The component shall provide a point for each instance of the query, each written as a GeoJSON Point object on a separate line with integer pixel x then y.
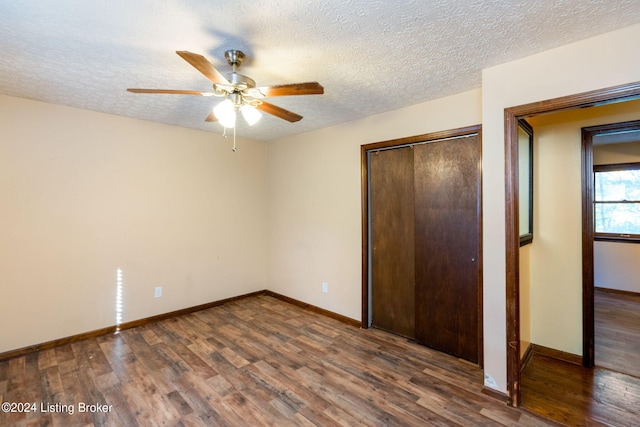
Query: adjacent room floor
{"type": "Point", "coordinates": [617, 334]}
{"type": "Point", "coordinates": [609, 394]}
{"type": "Point", "coordinates": [256, 361]}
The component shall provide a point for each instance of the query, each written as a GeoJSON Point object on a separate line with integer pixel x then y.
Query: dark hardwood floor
{"type": "Point", "coordinates": [252, 362]}
{"type": "Point", "coordinates": [617, 336]}
{"type": "Point", "coordinates": [606, 395]}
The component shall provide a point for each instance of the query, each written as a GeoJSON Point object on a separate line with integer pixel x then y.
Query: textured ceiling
{"type": "Point", "coordinates": [371, 56]}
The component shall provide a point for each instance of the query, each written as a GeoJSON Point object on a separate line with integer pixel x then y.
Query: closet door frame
{"type": "Point", "coordinates": [365, 151]}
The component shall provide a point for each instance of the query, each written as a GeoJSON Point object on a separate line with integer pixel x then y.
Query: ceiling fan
{"type": "Point", "coordinates": [240, 92]}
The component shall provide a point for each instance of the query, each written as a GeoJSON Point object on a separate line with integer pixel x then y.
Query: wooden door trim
{"type": "Point", "coordinates": [588, 303]}
{"type": "Point", "coordinates": [364, 177]}
{"type": "Point", "coordinates": [512, 238]}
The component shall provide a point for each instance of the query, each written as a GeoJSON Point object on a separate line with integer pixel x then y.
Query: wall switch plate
{"type": "Point", "coordinates": [325, 287]}
{"type": "Point", "coordinates": [157, 293]}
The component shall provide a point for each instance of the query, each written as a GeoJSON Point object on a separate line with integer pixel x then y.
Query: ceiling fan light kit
{"type": "Point", "coordinates": [240, 92]}
{"type": "Point", "coordinates": [225, 112]}
{"type": "Point", "coordinates": [250, 114]}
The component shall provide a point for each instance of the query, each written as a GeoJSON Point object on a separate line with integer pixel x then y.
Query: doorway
{"type": "Point", "coordinates": [421, 249]}
{"type": "Point", "coordinates": [553, 278]}
{"type": "Point", "coordinates": [613, 188]}
{"type": "Point", "coordinates": [609, 95]}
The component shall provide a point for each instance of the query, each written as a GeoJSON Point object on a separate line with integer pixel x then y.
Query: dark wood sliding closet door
{"type": "Point", "coordinates": [392, 245]}
{"type": "Point", "coordinates": [424, 207]}
{"type": "Point", "coordinates": [447, 249]}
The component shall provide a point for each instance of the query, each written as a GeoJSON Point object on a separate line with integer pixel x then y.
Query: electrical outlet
{"type": "Point", "coordinates": [325, 287]}
{"type": "Point", "coordinates": [157, 293]}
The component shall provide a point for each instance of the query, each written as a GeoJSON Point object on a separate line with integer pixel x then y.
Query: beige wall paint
{"type": "Point", "coordinates": [315, 191]}
{"type": "Point", "coordinates": [595, 63]}
{"type": "Point", "coordinates": [525, 298]}
{"type": "Point", "coordinates": [85, 193]}
{"type": "Point", "coordinates": [556, 252]}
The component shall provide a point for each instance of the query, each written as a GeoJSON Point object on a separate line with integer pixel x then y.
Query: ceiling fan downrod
{"type": "Point", "coordinates": [234, 58]}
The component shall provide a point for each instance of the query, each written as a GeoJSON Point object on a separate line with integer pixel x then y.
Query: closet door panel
{"type": "Point", "coordinates": [447, 233]}
{"type": "Point", "coordinates": [392, 241]}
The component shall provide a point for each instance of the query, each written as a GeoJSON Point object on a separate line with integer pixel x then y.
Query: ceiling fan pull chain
{"type": "Point", "coordinates": [234, 140]}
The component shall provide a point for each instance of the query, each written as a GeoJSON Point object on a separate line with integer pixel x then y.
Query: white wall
{"type": "Point", "coordinates": [85, 193]}
{"type": "Point", "coordinates": [616, 266]}
{"type": "Point", "coordinates": [607, 60]}
{"type": "Point", "coordinates": [315, 199]}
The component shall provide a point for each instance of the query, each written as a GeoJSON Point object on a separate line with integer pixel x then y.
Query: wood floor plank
{"type": "Point", "coordinates": [617, 331]}
{"type": "Point", "coordinates": [285, 378]}
{"type": "Point", "coordinates": [47, 358]}
{"type": "Point", "coordinates": [122, 412]}
{"type": "Point", "coordinates": [258, 361]}
{"type": "Point", "coordinates": [204, 400]}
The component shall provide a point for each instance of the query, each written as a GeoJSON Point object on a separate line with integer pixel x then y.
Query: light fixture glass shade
{"type": "Point", "coordinates": [250, 114]}
{"type": "Point", "coordinates": [226, 113]}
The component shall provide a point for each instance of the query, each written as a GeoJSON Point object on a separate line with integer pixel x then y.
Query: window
{"type": "Point", "coordinates": [617, 202]}
{"type": "Point", "coordinates": [525, 180]}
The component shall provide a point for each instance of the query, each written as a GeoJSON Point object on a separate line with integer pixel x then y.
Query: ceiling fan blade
{"type": "Point", "coordinates": [308, 88]}
{"type": "Point", "coordinates": [211, 118]}
{"type": "Point", "coordinates": [279, 112]}
{"type": "Point", "coordinates": [171, 91]}
{"type": "Point", "coordinates": [204, 66]}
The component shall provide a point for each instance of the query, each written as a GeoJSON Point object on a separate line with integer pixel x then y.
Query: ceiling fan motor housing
{"type": "Point", "coordinates": [240, 82]}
